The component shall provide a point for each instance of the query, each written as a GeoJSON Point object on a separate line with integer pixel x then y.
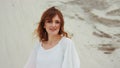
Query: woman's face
{"type": "Point", "coordinates": [53, 26]}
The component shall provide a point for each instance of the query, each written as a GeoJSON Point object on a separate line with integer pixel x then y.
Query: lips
{"type": "Point", "coordinates": [52, 29]}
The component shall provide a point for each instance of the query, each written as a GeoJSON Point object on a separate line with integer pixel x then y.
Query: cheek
{"type": "Point", "coordinates": [45, 26]}
{"type": "Point", "coordinates": [58, 25]}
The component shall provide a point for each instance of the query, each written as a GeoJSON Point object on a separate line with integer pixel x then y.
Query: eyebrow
{"type": "Point", "coordinates": [57, 20]}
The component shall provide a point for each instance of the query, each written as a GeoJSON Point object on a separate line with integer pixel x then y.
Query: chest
{"type": "Point", "coordinates": [50, 57]}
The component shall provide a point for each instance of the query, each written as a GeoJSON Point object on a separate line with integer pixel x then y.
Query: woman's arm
{"type": "Point", "coordinates": [71, 58]}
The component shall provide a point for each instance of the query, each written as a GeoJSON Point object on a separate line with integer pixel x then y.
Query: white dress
{"type": "Point", "coordinates": [62, 55]}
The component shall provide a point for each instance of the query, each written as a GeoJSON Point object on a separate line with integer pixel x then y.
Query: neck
{"type": "Point", "coordinates": [52, 39]}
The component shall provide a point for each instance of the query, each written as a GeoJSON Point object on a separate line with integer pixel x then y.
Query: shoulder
{"type": "Point", "coordinates": [67, 39]}
{"type": "Point", "coordinates": [36, 44]}
{"type": "Point", "coordinates": [67, 42]}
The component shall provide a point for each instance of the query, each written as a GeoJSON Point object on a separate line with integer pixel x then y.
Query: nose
{"type": "Point", "coordinates": [53, 24]}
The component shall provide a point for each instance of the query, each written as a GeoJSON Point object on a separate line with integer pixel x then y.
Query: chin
{"type": "Point", "coordinates": [53, 33]}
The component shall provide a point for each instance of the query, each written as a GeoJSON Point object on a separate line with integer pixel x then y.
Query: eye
{"type": "Point", "coordinates": [48, 21]}
{"type": "Point", "coordinates": [57, 22]}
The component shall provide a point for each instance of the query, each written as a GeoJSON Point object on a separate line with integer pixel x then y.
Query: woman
{"type": "Point", "coordinates": [54, 49]}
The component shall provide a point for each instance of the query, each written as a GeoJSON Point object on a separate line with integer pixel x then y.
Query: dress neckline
{"type": "Point", "coordinates": [50, 49]}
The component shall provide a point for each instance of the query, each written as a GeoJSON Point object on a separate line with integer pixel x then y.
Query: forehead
{"type": "Point", "coordinates": [55, 17]}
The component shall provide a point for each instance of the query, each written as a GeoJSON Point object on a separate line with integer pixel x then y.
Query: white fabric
{"type": "Point", "coordinates": [63, 55]}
